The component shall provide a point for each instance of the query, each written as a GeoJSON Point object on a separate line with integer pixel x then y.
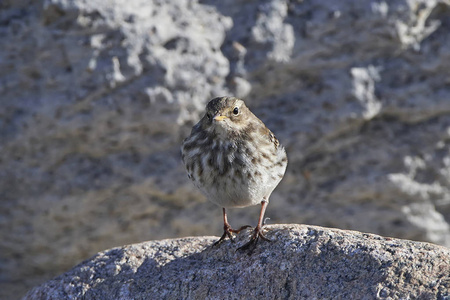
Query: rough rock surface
{"type": "Point", "coordinates": [96, 97]}
{"type": "Point", "coordinates": [303, 262]}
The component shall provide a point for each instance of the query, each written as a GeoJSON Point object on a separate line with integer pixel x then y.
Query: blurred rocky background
{"type": "Point", "coordinates": [97, 96]}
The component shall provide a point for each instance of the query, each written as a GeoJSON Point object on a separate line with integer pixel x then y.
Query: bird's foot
{"type": "Point", "coordinates": [250, 245]}
{"type": "Point", "coordinates": [228, 232]}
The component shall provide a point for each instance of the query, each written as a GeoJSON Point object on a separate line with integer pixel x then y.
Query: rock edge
{"type": "Point", "coordinates": [302, 262]}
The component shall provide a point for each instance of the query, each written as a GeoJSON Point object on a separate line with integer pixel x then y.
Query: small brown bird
{"type": "Point", "coordinates": [235, 160]}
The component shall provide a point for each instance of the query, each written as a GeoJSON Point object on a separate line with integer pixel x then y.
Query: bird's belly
{"type": "Point", "coordinates": [236, 175]}
{"type": "Point", "coordinates": [249, 186]}
{"type": "Point", "coordinates": [233, 193]}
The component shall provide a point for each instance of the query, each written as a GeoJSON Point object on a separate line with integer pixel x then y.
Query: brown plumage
{"type": "Point", "coordinates": [234, 159]}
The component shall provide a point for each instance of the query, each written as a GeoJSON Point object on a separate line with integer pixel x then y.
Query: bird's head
{"type": "Point", "coordinates": [226, 116]}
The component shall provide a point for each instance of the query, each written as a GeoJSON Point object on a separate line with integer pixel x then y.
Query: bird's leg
{"type": "Point", "coordinates": [257, 232]}
{"type": "Point", "coordinates": [227, 230]}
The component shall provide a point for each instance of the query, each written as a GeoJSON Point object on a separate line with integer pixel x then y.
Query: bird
{"type": "Point", "coordinates": [235, 161]}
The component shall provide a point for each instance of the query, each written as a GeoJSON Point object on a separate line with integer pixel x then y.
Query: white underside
{"type": "Point", "coordinates": [233, 191]}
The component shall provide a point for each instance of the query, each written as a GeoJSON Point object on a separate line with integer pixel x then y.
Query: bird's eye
{"type": "Point", "coordinates": [208, 116]}
{"type": "Point", "coordinates": [236, 111]}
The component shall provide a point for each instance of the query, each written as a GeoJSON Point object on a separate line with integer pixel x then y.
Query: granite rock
{"type": "Point", "coordinates": [302, 262]}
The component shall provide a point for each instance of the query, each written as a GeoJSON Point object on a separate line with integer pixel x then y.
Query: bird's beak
{"type": "Point", "coordinates": [219, 118]}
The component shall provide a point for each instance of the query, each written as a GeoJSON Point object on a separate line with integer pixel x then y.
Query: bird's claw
{"type": "Point", "coordinates": [228, 232]}
{"type": "Point", "coordinates": [250, 245]}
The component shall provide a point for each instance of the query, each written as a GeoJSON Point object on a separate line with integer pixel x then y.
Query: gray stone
{"type": "Point", "coordinates": [97, 96]}
{"type": "Point", "coordinates": [302, 262]}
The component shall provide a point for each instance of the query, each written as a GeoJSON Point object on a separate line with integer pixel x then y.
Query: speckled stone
{"type": "Point", "coordinates": [302, 262]}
